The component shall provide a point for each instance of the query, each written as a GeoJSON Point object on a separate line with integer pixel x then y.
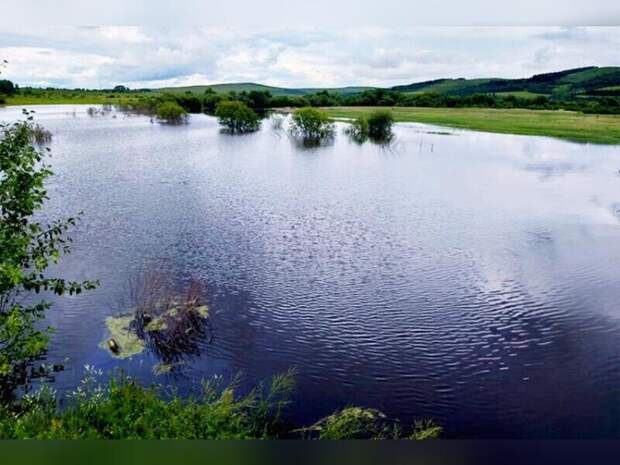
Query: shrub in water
{"type": "Point", "coordinates": [171, 113]}
{"type": "Point", "coordinates": [236, 116]}
{"type": "Point", "coordinates": [311, 124]}
{"type": "Point", "coordinates": [40, 135]}
{"type": "Point", "coordinates": [358, 130]}
{"type": "Point", "coordinates": [380, 124]}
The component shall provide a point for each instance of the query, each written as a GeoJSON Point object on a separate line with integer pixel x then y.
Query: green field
{"type": "Point", "coordinates": [600, 129]}
{"type": "Point", "coordinates": [524, 94]}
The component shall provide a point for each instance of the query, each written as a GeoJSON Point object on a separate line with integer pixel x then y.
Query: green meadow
{"type": "Point", "coordinates": [574, 126]}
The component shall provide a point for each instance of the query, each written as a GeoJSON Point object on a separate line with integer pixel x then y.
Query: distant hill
{"type": "Point", "coordinates": [569, 83]}
{"type": "Point", "coordinates": [249, 86]}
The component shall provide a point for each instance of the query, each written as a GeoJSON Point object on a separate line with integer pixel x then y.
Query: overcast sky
{"type": "Point", "coordinates": [299, 43]}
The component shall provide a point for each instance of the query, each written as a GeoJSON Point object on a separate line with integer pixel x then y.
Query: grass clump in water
{"type": "Point", "coordinates": [366, 423]}
{"type": "Point", "coordinates": [40, 135]}
{"type": "Point", "coordinates": [172, 322]}
{"type": "Point", "coordinates": [358, 129]}
{"type": "Point", "coordinates": [163, 368]}
{"type": "Point", "coordinates": [425, 429]}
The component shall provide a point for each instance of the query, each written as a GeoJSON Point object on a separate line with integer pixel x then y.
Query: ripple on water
{"type": "Point", "coordinates": [476, 283]}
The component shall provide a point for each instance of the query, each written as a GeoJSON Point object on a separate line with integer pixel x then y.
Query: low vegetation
{"type": "Point", "coordinates": [236, 116]}
{"type": "Point", "coordinates": [365, 423]}
{"type": "Point", "coordinates": [311, 125]}
{"type": "Point", "coordinates": [124, 409]}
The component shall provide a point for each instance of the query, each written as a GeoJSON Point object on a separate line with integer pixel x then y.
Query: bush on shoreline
{"type": "Point", "coordinates": [124, 409]}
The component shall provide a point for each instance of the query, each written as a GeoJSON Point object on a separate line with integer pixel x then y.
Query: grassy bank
{"type": "Point", "coordinates": [600, 129]}
{"type": "Point", "coordinates": [124, 409]}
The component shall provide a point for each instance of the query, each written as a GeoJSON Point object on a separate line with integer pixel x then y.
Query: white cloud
{"type": "Point", "coordinates": [123, 34]}
{"type": "Point", "coordinates": [33, 14]}
{"type": "Point", "coordinates": [311, 57]}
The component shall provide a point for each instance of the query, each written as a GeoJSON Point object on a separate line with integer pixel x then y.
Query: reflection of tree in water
{"type": "Point", "coordinates": [171, 321]}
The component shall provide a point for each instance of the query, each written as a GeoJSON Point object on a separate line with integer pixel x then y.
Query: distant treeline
{"type": "Point", "coordinates": [602, 102]}
{"type": "Point", "coordinates": [261, 100]}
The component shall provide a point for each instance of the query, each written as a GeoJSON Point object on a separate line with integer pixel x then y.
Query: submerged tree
{"type": "Point", "coordinates": [27, 248]}
{"type": "Point", "coordinates": [236, 116]}
{"type": "Point", "coordinates": [380, 124]}
{"type": "Point", "coordinates": [311, 125]}
{"type": "Point", "coordinates": [171, 113]}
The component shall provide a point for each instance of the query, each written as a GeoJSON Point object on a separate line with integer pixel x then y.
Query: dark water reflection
{"type": "Point", "coordinates": [468, 277]}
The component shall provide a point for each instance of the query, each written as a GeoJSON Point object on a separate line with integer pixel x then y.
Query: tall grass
{"type": "Point", "coordinates": [124, 409]}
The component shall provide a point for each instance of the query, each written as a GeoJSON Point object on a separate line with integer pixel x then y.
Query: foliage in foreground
{"type": "Point", "coordinates": [124, 409]}
{"type": "Point", "coordinates": [236, 116]}
{"type": "Point", "coordinates": [27, 248]}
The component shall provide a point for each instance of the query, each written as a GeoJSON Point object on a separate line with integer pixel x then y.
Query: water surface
{"type": "Point", "coordinates": [468, 277]}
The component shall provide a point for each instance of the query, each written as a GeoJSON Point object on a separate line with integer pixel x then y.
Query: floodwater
{"type": "Point", "coordinates": [472, 278]}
